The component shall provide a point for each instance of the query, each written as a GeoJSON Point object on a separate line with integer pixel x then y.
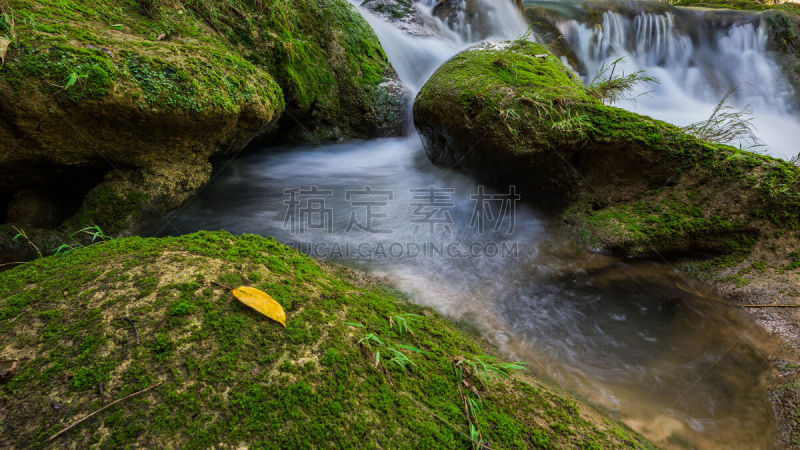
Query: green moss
{"type": "Point", "coordinates": [210, 55]}
{"type": "Point", "coordinates": [795, 261]}
{"type": "Point", "coordinates": [645, 225]}
{"type": "Point", "coordinates": [81, 39]}
{"type": "Point", "coordinates": [752, 5]}
{"type": "Point", "coordinates": [232, 377]}
{"type": "Point", "coordinates": [110, 209]}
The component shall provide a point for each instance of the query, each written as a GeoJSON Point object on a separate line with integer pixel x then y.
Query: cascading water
{"type": "Point", "coordinates": [637, 339]}
{"type": "Point", "coordinates": [415, 58]}
{"type": "Point", "coordinates": [695, 65]}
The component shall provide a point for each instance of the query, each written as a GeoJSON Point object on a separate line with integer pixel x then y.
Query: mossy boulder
{"type": "Point", "coordinates": [513, 114]}
{"type": "Point", "coordinates": [105, 321]}
{"type": "Point", "coordinates": [130, 100]}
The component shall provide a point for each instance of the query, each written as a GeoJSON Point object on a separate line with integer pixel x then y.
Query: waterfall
{"type": "Point", "coordinates": [695, 65]}
{"type": "Point", "coordinates": [415, 58]}
{"type": "Point", "coordinates": [476, 20]}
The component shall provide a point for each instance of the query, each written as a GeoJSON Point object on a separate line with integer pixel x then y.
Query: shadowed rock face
{"type": "Point", "coordinates": [513, 114]}
{"type": "Point", "coordinates": [118, 124]}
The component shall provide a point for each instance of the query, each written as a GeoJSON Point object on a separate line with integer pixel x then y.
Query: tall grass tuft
{"type": "Point", "coordinates": [609, 88]}
{"type": "Point", "coordinates": [726, 125]}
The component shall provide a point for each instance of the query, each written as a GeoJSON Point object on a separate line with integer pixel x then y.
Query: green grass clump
{"type": "Point", "coordinates": [128, 313]}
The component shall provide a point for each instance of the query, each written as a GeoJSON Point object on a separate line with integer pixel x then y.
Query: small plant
{"type": "Point", "coordinates": [371, 337]}
{"type": "Point", "coordinates": [610, 88]}
{"type": "Point", "coordinates": [400, 358]}
{"type": "Point", "coordinates": [97, 235]}
{"type": "Point", "coordinates": [400, 322]}
{"type": "Point", "coordinates": [22, 235]}
{"type": "Point", "coordinates": [569, 123]}
{"type": "Point", "coordinates": [486, 367]}
{"type": "Point", "coordinates": [480, 368]}
{"type": "Point", "coordinates": [70, 80]}
{"type": "Point", "coordinates": [726, 125]}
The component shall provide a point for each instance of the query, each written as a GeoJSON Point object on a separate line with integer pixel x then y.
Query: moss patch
{"type": "Point", "coordinates": [200, 55]}
{"type": "Point", "coordinates": [231, 376]}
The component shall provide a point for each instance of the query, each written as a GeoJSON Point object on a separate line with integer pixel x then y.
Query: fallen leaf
{"type": "Point", "coordinates": [3, 48]}
{"type": "Point", "coordinates": [261, 302]}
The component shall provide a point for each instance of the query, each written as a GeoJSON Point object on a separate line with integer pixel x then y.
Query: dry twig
{"type": "Point", "coordinates": [80, 421]}
{"type": "Point", "coordinates": [135, 332]}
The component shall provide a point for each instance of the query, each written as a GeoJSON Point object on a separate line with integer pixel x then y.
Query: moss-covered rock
{"type": "Point", "coordinates": [129, 313]}
{"type": "Point", "coordinates": [138, 95]}
{"type": "Point", "coordinates": [513, 114]}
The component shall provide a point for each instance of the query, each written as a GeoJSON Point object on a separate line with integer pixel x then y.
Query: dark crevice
{"type": "Point", "coordinates": [55, 197]}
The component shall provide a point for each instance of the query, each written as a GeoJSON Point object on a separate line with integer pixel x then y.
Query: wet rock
{"type": "Point", "coordinates": [784, 39]}
{"type": "Point", "coordinates": [627, 183]}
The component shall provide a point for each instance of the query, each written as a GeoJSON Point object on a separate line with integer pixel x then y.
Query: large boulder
{"type": "Point", "coordinates": [513, 114]}
{"type": "Point", "coordinates": [104, 322]}
{"type": "Point", "coordinates": [126, 102]}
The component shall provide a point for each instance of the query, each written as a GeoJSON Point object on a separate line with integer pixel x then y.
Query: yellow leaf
{"type": "Point", "coordinates": [261, 302]}
{"type": "Point", "coordinates": [3, 48]}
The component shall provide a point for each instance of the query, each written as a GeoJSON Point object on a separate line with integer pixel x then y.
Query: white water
{"type": "Point", "coordinates": [694, 74]}
{"type": "Point", "coordinates": [415, 58]}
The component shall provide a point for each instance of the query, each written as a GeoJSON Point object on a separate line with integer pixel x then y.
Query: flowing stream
{"type": "Point", "coordinates": [663, 353]}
